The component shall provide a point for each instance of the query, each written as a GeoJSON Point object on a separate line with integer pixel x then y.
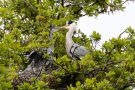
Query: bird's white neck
{"type": "Point", "coordinates": [69, 41]}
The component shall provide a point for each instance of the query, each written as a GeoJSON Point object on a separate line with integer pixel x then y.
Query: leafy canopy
{"type": "Point", "coordinates": [25, 26]}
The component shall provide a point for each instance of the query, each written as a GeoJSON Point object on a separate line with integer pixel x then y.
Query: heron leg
{"type": "Point", "coordinates": [78, 66]}
{"type": "Point", "coordinates": [71, 65]}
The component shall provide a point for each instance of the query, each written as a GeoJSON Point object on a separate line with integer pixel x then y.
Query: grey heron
{"type": "Point", "coordinates": [74, 50]}
{"type": "Point", "coordinates": [36, 57]}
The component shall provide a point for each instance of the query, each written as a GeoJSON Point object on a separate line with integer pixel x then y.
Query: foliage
{"type": "Point", "coordinates": [25, 26]}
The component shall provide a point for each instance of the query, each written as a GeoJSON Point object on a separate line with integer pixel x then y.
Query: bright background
{"type": "Point", "coordinates": [109, 25]}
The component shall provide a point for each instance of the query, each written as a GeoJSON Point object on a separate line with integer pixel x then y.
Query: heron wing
{"type": "Point", "coordinates": [81, 51]}
{"type": "Point", "coordinates": [78, 51]}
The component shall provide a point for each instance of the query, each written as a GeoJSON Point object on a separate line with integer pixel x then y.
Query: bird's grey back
{"type": "Point", "coordinates": [79, 51]}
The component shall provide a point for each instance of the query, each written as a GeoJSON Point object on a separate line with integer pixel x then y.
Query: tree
{"type": "Point", "coordinates": [26, 27]}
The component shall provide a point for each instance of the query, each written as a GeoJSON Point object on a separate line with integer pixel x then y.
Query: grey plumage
{"type": "Point", "coordinates": [77, 51]}
{"type": "Point", "coordinates": [74, 50]}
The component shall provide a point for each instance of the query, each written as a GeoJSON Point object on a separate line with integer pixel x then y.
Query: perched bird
{"type": "Point", "coordinates": [37, 56]}
{"type": "Point", "coordinates": [74, 50]}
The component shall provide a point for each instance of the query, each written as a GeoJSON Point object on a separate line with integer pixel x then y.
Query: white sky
{"type": "Point", "coordinates": [109, 25]}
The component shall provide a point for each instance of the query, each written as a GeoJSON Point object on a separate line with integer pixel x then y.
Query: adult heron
{"type": "Point", "coordinates": [74, 50]}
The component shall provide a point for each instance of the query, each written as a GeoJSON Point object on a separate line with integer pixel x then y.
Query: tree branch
{"type": "Point", "coordinates": [62, 3]}
{"type": "Point", "coordinates": [122, 33]}
{"type": "Point", "coordinates": [60, 66]}
{"type": "Point", "coordinates": [28, 4]}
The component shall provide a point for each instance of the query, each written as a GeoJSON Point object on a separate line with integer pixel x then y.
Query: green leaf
{"type": "Point", "coordinates": [96, 36]}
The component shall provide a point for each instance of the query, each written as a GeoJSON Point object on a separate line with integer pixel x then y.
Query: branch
{"type": "Point", "coordinates": [38, 1]}
{"type": "Point", "coordinates": [76, 12]}
{"type": "Point", "coordinates": [92, 43]}
{"type": "Point", "coordinates": [62, 3]}
{"type": "Point", "coordinates": [125, 1]}
{"type": "Point", "coordinates": [122, 33]}
{"type": "Point", "coordinates": [28, 4]}
{"type": "Point", "coordinates": [60, 66]}
{"type": "Point", "coordinates": [39, 74]}
{"type": "Point", "coordinates": [131, 83]}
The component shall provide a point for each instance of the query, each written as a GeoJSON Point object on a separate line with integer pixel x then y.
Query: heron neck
{"type": "Point", "coordinates": [69, 41]}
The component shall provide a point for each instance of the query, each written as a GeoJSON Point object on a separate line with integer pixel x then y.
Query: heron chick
{"type": "Point", "coordinates": [74, 50]}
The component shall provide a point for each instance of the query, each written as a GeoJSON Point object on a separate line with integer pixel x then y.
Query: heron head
{"type": "Point", "coordinates": [69, 22]}
{"type": "Point", "coordinates": [70, 25]}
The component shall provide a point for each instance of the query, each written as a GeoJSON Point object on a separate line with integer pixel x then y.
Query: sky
{"type": "Point", "coordinates": [109, 25]}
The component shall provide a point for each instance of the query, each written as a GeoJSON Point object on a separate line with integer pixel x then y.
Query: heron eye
{"type": "Point", "coordinates": [70, 22]}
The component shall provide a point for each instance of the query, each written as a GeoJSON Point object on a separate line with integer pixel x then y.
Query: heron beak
{"type": "Point", "coordinates": [66, 26]}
